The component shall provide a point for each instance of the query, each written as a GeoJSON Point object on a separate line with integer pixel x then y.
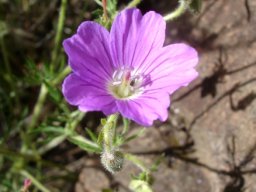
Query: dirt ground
{"type": "Point", "coordinates": [209, 141]}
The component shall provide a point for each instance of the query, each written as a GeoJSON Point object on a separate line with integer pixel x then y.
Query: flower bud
{"type": "Point", "coordinates": [112, 161]}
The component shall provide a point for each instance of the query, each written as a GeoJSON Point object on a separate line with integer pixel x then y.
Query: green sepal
{"type": "Point", "coordinates": [103, 121]}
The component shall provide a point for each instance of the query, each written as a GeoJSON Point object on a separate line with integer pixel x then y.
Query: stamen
{"type": "Point", "coordinates": [125, 84]}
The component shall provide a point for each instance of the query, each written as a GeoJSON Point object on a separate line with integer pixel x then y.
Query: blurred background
{"type": "Point", "coordinates": [208, 143]}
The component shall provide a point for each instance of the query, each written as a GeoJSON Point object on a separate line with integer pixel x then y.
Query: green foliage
{"type": "Point", "coordinates": [84, 144]}
{"type": "Point", "coordinates": [3, 29]}
{"type": "Point", "coordinates": [140, 186]}
{"type": "Point", "coordinates": [36, 124]}
{"type": "Point", "coordinates": [195, 6]}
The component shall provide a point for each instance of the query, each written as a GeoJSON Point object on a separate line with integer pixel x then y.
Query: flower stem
{"type": "Point", "coordinates": [59, 33]}
{"type": "Point", "coordinates": [34, 181]}
{"type": "Point", "coordinates": [134, 3]}
{"type": "Point", "coordinates": [126, 125]}
{"type": "Point", "coordinates": [105, 14]}
{"type": "Point", "coordinates": [109, 132]}
{"type": "Point", "coordinates": [183, 6]}
{"type": "Point", "coordinates": [38, 107]}
{"type": "Point", "coordinates": [136, 161]}
{"type": "Point", "coordinates": [61, 75]}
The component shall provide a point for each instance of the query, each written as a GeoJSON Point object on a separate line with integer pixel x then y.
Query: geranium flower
{"type": "Point", "coordinates": [127, 70]}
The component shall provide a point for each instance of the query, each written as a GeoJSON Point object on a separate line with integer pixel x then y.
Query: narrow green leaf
{"type": "Point", "coordinates": [92, 135]}
{"type": "Point", "coordinates": [51, 129]}
{"type": "Point", "coordinates": [134, 136]}
{"type": "Point", "coordinates": [84, 144]}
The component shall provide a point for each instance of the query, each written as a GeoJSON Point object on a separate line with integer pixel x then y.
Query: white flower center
{"type": "Point", "coordinates": [125, 84]}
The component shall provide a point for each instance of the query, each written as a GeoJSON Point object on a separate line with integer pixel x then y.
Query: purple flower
{"type": "Point", "coordinates": [127, 70]}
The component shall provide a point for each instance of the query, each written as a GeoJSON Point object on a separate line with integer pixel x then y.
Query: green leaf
{"type": "Point", "coordinates": [195, 6]}
{"type": "Point", "coordinates": [156, 164]}
{"type": "Point", "coordinates": [49, 129]}
{"type": "Point", "coordinates": [84, 144]}
{"type": "Point", "coordinates": [92, 136]}
{"type": "Point", "coordinates": [119, 140]}
{"type": "Point", "coordinates": [33, 75]}
{"type": "Point", "coordinates": [134, 136]}
{"type": "Point", "coordinates": [140, 186]}
{"type": "Point", "coordinates": [111, 6]}
{"type": "Point", "coordinates": [53, 92]}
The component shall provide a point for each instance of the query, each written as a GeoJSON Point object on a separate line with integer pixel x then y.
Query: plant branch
{"type": "Point", "coordinates": [134, 3]}
{"type": "Point", "coordinates": [183, 6]}
{"type": "Point", "coordinates": [59, 32]}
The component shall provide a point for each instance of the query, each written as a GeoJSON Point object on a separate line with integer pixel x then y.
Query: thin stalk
{"type": "Point", "coordinates": [136, 161]}
{"type": "Point", "coordinates": [52, 144]}
{"type": "Point", "coordinates": [37, 183]}
{"type": "Point", "coordinates": [183, 6]}
{"type": "Point", "coordinates": [134, 3]}
{"type": "Point", "coordinates": [59, 32]}
{"type": "Point", "coordinates": [38, 107]}
{"type": "Point", "coordinates": [109, 130]}
{"type": "Point", "coordinates": [75, 122]}
{"type": "Point", "coordinates": [105, 13]}
{"type": "Point", "coordinates": [126, 125]}
{"type": "Point", "coordinates": [61, 75]}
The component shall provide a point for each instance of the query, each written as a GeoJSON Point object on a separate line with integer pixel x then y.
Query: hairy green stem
{"type": "Point", "coordinates": [183, 6]}
{"type": "Point", "coordinates": [37, 183]}
{"type": "Point", "coordinates": [126, 125]}
{"type": "Point", "coordinates": [109, 130]}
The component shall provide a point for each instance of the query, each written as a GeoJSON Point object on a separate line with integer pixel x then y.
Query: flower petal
{"type": "Point", "coordinates": [87, 96]}
{"type": "Point", "coordinates": [88, 52]}
{"type": "Point", "coordinates": [133, 36]}
{"type": "Point", "coordinates": [170, 68]}
{"type": "Point", "coordinates": [146, 108]}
